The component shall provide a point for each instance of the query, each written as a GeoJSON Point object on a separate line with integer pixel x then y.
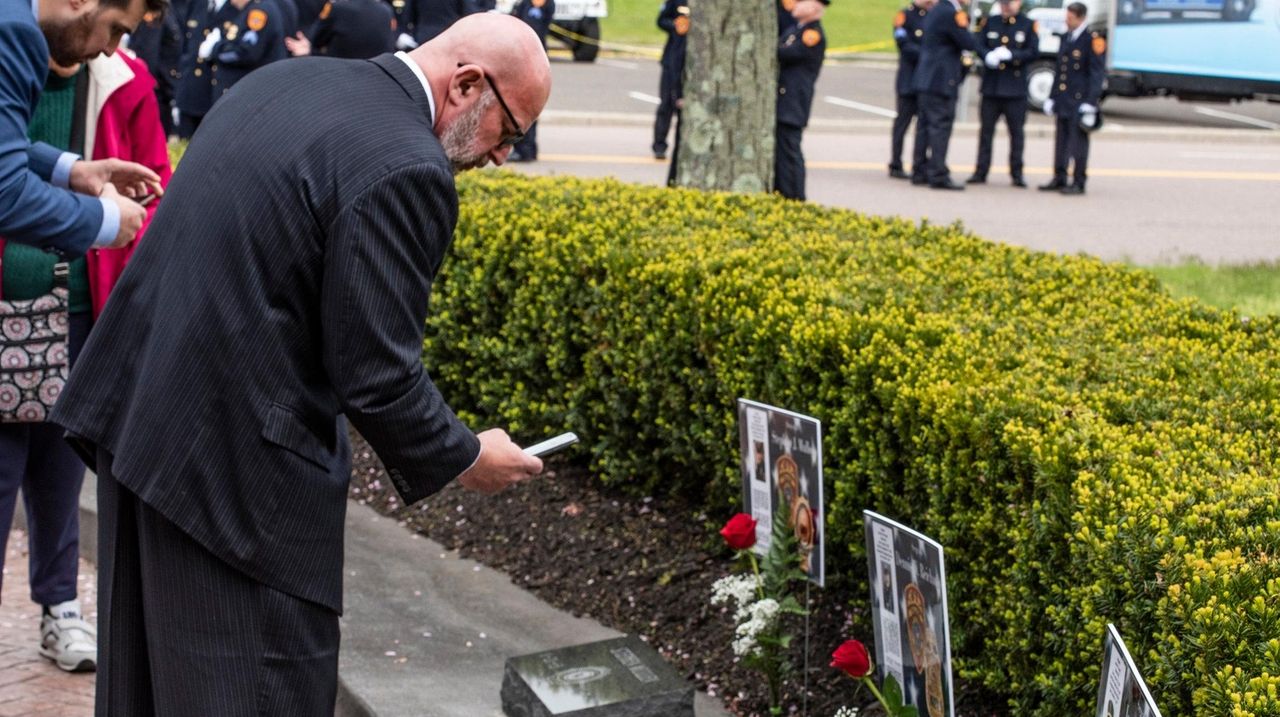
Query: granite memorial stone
{"type": "Point", "coordinates": [622, 677]}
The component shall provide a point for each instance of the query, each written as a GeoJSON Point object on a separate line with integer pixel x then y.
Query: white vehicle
{"type": "Point", "coordinates": [581, 18]}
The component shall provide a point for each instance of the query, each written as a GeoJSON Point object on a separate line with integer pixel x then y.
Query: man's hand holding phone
{"type": "Point", "coordinates": [501, 463]}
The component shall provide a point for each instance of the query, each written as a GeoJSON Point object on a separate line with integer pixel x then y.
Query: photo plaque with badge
{"type": "Point", "coordinates": [909, 613]}
{"type": "Point", "coordinates": [1122, 692]}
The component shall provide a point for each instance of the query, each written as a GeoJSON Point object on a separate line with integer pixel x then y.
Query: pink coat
{"type": "Point", "coordinates": [127, 126]}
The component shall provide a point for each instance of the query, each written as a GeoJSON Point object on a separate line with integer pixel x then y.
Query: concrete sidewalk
{"type": "Point", "coordinates": [425, 634]}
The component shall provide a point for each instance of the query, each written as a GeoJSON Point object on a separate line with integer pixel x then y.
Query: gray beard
{"type": "Point", "coordinates": [459, 139]}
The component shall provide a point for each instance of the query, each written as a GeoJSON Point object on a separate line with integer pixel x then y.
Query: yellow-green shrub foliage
{"type": "Point", "coordinates": [1088, 449]}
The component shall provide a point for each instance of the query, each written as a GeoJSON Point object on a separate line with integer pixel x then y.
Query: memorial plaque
{"type": "Point", "coordinates": [782, 470]}
{"type": "Point", "coordinates": [1122, 692]}
{"type": "Point", "coordinates": [908, 580]}
{"type": "Point", "coordinates": [622, 677]}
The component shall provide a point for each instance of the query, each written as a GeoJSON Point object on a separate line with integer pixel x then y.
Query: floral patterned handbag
{"type": "Point", "coordinates": [33, 352]}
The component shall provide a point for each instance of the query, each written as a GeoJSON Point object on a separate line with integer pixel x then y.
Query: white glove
{"type": "Point", "coordinates": [405, 42]}
{"type": "Point", "coordinates": [206, 47]}
{"type": "Point", "coordinates": [1089, 119]}
{"type": "Point", "coordinates": [1088, 109]}
{"type": "Point", "coordinates": [992, 60]}
{"type": "Point", "coordinates": [1048, 107]}
{"type": "Point", "coordinates": [1005, 53]}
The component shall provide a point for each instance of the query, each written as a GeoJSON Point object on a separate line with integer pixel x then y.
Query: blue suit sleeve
{"type": "Point", "coordinates": [31, 210]}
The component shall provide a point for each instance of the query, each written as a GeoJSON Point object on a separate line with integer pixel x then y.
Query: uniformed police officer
{"type": "Point", "coordinates": [673, 19]}
{"type": "Point", "coordinates": [537, 14]}
{"type": "Point", "coordinates": [253, 39]}
{"type": "Point", "coordinates": [908, 33]}
{"type": "Point", "coordinates": [1013, 38]}
{"type": "Point", "coordinates": [158, 42]}
{"type": "Point", "coordinates": [1074, 100]}
{"type": "Point", "coordinates": [194, 91]}
{"type": "Point", "coordinates": [801, 48]}
{"type": "Point", "coordinates": [357, 29]}
{"type": "Point", "coordinates": [937, 85]}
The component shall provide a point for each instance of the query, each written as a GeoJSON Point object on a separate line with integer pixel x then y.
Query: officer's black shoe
{"type": "Point", "coordinates": [659, 154]}
{"type": "Point", "coordinates": [897, 173]}
{"type": "Point", "coordinates": [517, 157]}
{"type": "Point", "coordinates": [1053, 186]}
{"type": "Point", "coordinates": [919, 181]}
{"type": "Point", "coordinates": [1018, 181]}
{"type": "Point", "coordinates": [1073, 189]}
{"type": "Point", "coordinates": [976, 179]}
{"type": "Point", "coordinates": [947, 184]}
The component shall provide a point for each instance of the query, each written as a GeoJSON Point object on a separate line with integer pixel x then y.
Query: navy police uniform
{"type": "Point", "coordinates": [1082, 69]}
{"type": "Point", "coordinates": [801, 49]}
{"type": "Point", "coordinates": [356, 29]}
{"type": "Point", "coordinates": [194, 91]}
{"type": "Point", "coordinates": [431, 17]}
{"type": "Point", "coordinates": [158, 42]}
{"type": "Point", "coordinates": [1004, 89]}
{"type": "Point", "coordinates": [673, 20]}
{"type": "Point", "coordinates": [937, 84]}
{"type": "Point", "coordinates": [255, 38]}
{"type": "Point", "coordinates": [908, 33]}
{"type": "Point", "coordinates": [537, 15]}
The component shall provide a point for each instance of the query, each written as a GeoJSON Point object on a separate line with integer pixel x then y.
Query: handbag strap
{"type": "Point", "coordinates": [61, 271]}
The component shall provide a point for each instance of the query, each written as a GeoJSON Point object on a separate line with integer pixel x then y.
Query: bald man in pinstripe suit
{"type": "Point", "coordinates": [283, 286]}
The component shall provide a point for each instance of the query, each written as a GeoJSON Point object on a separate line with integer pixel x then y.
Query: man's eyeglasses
{"type": "Point", "coordinates": [515, 138]}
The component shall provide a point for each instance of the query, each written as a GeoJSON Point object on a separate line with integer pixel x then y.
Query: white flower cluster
{"type": "Point", "coordinates": [847, 712]}
{"type": "Point", "coordinates": [760, 618]}
{"type": "Point", "coordinates": [752, 616]}
{"type": "Point", "coordinates": [737, 589]}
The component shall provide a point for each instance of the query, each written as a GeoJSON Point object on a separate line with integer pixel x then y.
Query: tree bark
{"type": "Point", "coordinates": [730, 88]}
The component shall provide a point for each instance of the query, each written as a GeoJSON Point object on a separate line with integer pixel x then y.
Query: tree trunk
{"type": "Point", "coordinates": [730, 87]}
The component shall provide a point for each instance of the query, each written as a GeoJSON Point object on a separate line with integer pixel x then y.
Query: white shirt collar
{"type": "Point", "coordinates": [35, 8]}
{"type": "Point", "coordinates": [417, 71]}
{"type": "Point", "coordinates": [1078, 32]}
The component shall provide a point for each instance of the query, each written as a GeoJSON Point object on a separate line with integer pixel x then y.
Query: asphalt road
{"type": "Point", "coordinates": [1170, 184]}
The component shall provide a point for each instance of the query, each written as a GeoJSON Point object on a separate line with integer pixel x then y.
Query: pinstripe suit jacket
{"type": "Point", "coordinates": [283, 284]}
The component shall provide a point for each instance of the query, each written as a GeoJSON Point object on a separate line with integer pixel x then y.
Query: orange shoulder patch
{"type": "Point", "coordinates": [900, 19]}
{"type": "Point", "coordinates": [324, 11]}
{"type": "Point", "coordinates": [682, 25]}
{"type": "Point", "coordinates": [257, 20]}
{"type": "Point", "coordinates": [962, 19]}
{"type": "Point", "coordinates": [811, 37]}
{"type": "Point", "coordinates": [1099, 45]}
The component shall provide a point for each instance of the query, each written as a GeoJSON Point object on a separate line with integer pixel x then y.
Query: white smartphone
{"type": "Point", "coordinates": [552, 445]}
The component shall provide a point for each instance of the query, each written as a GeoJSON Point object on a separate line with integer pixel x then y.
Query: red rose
{"type": "Point", "coordinates": [852, 657]}
{"type": "Point", "coordinates": [740, 532]}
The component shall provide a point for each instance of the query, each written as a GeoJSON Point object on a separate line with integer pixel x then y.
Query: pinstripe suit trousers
{"type": "Point", "coordinates": [182, 634]}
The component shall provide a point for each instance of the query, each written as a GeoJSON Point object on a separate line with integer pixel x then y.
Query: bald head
{"type": "Point", "coordinates": [480, 63]}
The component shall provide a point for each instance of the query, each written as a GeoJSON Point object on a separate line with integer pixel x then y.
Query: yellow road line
{"type": "Point", "coordinates": [1208, 175]}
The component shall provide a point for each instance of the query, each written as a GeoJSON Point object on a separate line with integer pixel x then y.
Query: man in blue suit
{"type": "Point", "coordinates": [35, 206]}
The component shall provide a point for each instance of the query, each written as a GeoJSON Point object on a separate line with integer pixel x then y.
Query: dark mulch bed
{"type": "Point", "coordinates": [639, 565]}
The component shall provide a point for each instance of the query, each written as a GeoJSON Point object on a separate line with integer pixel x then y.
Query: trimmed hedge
{"type": "Point", "coordinates": [1087, 448]}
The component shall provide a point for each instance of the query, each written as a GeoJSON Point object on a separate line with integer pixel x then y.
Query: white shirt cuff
{"type": "Point", "coordinates": [110, 223]}
{"type": "Point", "coordinates": [61, 176]}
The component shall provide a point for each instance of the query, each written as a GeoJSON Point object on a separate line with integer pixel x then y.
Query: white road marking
{"type": "Point", "coordinates": [841, 102]}
{"type": "Point", "coordinates": [1238, 118]}
{"type": "Point", "coordinates": [650, 99]}
{"type": "Point", "coordinates": [622, 64]}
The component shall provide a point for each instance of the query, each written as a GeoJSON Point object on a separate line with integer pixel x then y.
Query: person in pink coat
{"type": "Point", "coordinates": [121, 121]}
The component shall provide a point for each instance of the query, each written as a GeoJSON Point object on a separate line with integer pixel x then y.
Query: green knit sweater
{"type": "Point", "coordinates": [28, 271]}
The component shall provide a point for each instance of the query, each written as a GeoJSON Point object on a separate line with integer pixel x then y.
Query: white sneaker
{"type": "Point", "coordinates": [67, 639]}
